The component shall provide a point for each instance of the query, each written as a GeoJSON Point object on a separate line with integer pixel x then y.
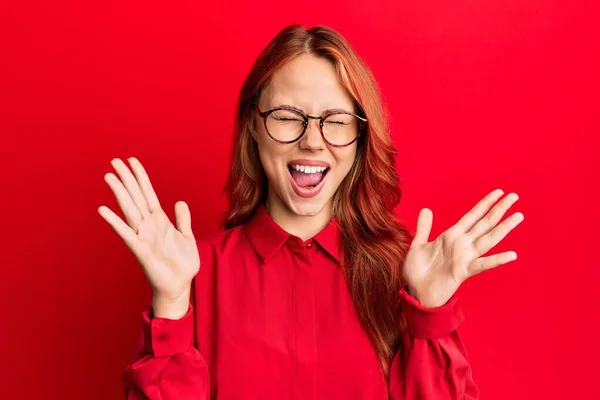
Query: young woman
{"type": "Point", "coordinates": [314, 290]}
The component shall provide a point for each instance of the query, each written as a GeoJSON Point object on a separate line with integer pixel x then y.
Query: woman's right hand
{"type": "Point", "coordinates": [167, 254]}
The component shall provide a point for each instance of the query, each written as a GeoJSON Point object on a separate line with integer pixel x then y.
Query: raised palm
{"type": "Point", "coordinates": [434, 270]}
{"type": "Point", "coordinates": [168, 254]}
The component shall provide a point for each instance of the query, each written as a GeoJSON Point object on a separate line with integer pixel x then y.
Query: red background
{"type": "Point", "coordinates": [482, 94]}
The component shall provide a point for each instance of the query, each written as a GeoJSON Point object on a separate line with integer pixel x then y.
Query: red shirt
{"type": "Point", "coordinates": [271, 317]}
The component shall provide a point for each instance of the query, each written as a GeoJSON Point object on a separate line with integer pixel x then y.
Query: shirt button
{"type": "Point", "coordinates": [309, 245]}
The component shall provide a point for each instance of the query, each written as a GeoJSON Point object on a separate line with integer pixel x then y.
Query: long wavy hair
{"type": "Point", "coordinates": [374, 242]}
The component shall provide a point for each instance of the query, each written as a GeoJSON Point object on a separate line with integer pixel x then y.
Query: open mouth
{"type": "Point", "coordinates": [308, 177]}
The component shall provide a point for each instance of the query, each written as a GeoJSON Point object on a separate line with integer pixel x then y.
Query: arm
{"type": "Point", "coordinates": [166, 365]}
{"type": "Point", "coordinates": [431, 361]}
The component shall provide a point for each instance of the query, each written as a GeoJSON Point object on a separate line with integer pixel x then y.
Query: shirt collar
{"type": "Point", "coordinates": [266, 237]}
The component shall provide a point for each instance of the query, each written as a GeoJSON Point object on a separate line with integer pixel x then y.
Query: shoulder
{"type": "Point", "coordinates": [222, 242]}
{"type": "Point", "coordinates": [218, 252]}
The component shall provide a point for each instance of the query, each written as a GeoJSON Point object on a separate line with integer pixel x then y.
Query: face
{"type": "Point", "coordinates": [310, 84]}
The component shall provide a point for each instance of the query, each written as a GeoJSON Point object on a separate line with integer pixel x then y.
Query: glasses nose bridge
{"type": "Point", "coordinates": [307, 122]}
{"type": "Point", "coordinates": [307, 138]}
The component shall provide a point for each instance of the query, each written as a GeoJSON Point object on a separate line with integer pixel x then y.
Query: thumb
{"type": "Point", "coordinates": [424, 223]}
{"type": "Point", "coordinates": [183, 219]}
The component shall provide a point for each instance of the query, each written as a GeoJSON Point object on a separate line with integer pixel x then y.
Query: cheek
{"type": "Point", "coordinates": [270, 155]}
{"type": "Point", "coordinates": [345, 159]}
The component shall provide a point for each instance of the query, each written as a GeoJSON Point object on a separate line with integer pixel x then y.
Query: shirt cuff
{"type": "Point", "coordinates": [166, 337]}
{"type": "Point", "coordinates": [429, 323]}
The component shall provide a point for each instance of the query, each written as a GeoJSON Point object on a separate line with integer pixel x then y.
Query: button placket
{"type": "Point", "coordinates": [304, 324]}
{"type": "Point", "coordinates": [310, 250]}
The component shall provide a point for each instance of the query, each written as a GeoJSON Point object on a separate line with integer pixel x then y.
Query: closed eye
{"type": "Point", "coordinates": [288, 119]}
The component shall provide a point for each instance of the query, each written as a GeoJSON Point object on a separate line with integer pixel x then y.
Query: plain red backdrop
{"type": "Point", "coordinates": [481, 95]}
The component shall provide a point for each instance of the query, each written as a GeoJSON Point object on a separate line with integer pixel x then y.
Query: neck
{"type": "Point", "coordinates": [303, 226]}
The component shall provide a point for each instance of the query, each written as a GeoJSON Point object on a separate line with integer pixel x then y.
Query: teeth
{"type": "Point", "coordinates": [308, 169]}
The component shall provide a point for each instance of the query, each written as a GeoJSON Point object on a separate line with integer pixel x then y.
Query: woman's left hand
{"type": "Point", "coordinates": [435, 270]}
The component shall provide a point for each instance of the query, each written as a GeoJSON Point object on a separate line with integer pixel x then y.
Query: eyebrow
{"type": "Point", "coordinates": [327, 111]}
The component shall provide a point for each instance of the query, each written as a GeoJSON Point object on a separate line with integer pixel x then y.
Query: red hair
{"type": "Point", "coordinates": [374, 242]}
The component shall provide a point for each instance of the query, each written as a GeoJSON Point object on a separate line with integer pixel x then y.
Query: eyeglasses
{"type": "Point", "coordinates": [288, 124]}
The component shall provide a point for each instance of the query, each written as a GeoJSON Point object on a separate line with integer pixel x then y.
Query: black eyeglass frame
{"type": "Point", "coordinates": [265, 114]}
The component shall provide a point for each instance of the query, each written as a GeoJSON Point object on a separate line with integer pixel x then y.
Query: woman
{"type": "Point", "coordinates": [314, 290]}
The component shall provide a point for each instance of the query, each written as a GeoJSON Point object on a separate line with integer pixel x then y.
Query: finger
{"type": "Point", "coordinates": [484, 263]}
{"type": "Point", "coordinates": [144, 181]}
{"type": "Point", "coordinates": [183, 219]}
{"type": "Point", "coordinates": [120, 227]}
{"type": "Point", "coordinates": [130, 211]}
{"type": "Point", "coordinates": [492, 218]}
{"type": "Point", "coordinates": [132, 186]}
{"type": "Point", "coordinates": [489, 240]}
{"type": "Point", "coordinates": [424, 222]}
{"type": "Point", "coordinates": [477, 212]}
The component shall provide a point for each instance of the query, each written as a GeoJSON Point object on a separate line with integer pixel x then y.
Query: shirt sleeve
{"type": "Point", "coordinates": [166, 365]}
{"type": "Point", "coordinates": [431, 361]}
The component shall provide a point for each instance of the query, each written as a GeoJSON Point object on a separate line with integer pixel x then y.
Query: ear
{"type": "Point", "coordinates": [252, 128]}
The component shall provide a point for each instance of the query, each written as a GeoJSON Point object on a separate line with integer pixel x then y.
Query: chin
{"type": "Point", "coordinates": [307, 206]}
{"type": "Point", "coordinates": [307, 209]}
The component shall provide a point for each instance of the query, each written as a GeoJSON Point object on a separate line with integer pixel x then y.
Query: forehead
{"type": "Point", "coordinates": [308, 82]}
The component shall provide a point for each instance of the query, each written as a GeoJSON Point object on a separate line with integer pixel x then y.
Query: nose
{"type": "Point", "coordinates": [312, 139]}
